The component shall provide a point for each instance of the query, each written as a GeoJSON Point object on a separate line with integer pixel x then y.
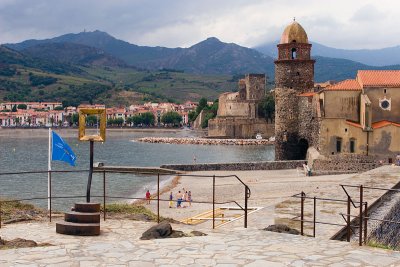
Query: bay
{"type": "Point", "coordinates": [27, 150]}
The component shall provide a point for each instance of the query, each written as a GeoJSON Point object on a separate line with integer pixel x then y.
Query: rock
{"type": "Point", "coordinates": [161, 230]}
{"type": "Point", "coordinates": [176, 234]}
{"type": "Point", "coordinates": [281, 228]}
{"type": "Point", "coordinates": [141, 217]}
{"type": "Point", "coordinates": [197, 233]}
{"type": "Point", "coordinates": [21, 243]}
{"type": "Point", "coordinates": [204, 141]}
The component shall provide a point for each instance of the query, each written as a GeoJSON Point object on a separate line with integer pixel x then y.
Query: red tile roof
{"type": "Point", "coordinates": [307, 94]}
{"type": "Point", "coordinates": [354, 124]}
{"type": "Point", "coordinates": [379, 78]}
{"type": "Point", "coordinates": [384, 123]}
{"type": "Point", "coordinates": [346, 85]}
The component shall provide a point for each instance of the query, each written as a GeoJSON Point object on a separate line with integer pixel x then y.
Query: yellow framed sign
{"type": "Point", "coordinates": [101, 124]}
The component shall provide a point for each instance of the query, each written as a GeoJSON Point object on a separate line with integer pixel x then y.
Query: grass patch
{"type": "Point", "coordinates": [132, 211]}
{"type": "Point", "coordinates": [12, 210]}
{"type": "Point", "coordinates": [288, 204]}
{"type": "Point", "coordinates": [376, 244]}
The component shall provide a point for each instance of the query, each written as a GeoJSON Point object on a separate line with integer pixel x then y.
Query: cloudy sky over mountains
{"type": "Point", "coordinates": [337, 23]}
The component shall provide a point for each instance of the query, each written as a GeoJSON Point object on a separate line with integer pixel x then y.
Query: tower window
{"type": "Point", "coordinates": [294, 53]}
{"type": "Point", "coordinates": [298, 73]}
{"type": "Point", "coordinates": [384, 91]}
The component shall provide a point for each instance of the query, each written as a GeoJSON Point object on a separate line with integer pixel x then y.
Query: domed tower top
{"type": "Point", "coordinates": [294, 33]}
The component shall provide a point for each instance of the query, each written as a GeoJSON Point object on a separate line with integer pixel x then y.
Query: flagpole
{"type": "Point", "coordinates": [48, 173]}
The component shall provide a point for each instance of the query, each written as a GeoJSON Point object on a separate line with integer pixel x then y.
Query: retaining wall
{"type": "Point", "coordinates": [346, 163]}
{"type": "Point", "coordinates": [242, 166]}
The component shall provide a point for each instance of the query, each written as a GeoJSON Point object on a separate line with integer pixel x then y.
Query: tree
{"type": "Point", "coordinates": [202, 104]}
{"type": "Point", "coordinates": [266, 108]}
{"type": "Point", "coordinates": [59, 108]}
{"type": "Point", "coordinates": [14, 108]}
{"type": "Point", "coordinates": [192, 116]}
{"type": "Point", "coordinates": [75, 119]}
{"type": "Point", "coordinates": [91, 120]}
{"type": "Point", "coordinates": [171, 117]}
{"type": "Point", "coordinates": [22, 106]}
{"type": "Point", "coordinates": [214, 107]}
{"type": "Point", "coordinates": [51, 121]}
{"type": "Point", "coordinates": [119, 121]}
{"type": "Point", "coordinates": [129, 121]}
{"type": "Point", "coordinates": [136, 120]}
{"type": "Point", "coordinates": [29, 121]}
{"type": "Point", "coordinates": [110, 121]}
{"type": "Point", "coordinates": [148, 118]}
{"type": "Point", "coordinates": [207, 117]}
{"type": "Point", "coordinates": [17, 121]}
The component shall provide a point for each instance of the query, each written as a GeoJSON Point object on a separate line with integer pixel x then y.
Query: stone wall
{"type": "Point", "coordinates": [346, 163]}
{"type": "Point", "coordinates": [286, 123]}
{"type": "Point", "coordinates": [297, 74]}
{"type": "Point", "coordinates": [237, 127]}
{"type": "Point", "coordinates": [309, 123]}
{"type": "Point", "coordinates": [237, 115]}
{"type": "Point", "coordinates": [265, 165]}
{"type": "Point", "coordinates": [200, 118]}
{"type": "Point", "coordinates": [381, 232]}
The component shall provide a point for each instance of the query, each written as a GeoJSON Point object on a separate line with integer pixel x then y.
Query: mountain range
{"type": "Point", "coordinates": [373, 57]}
{"type": "Point", "coordinates": [210, 56]}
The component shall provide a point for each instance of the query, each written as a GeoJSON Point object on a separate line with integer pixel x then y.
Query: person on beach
{"type": "Point", "coordinates": [189, 198]}
{"type": "Point", "coordinates": [148, 196]}
{"type": "Point", "coordinates": [179, 196]}
{"type": "Point", "coordinates": [170, 200]}
{"type": "Point", "coordinates": [183, 198]}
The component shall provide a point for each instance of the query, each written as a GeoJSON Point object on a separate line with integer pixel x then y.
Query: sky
{"type": "Point", "coordinates": [350, 24]}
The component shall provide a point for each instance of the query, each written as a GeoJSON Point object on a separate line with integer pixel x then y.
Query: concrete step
{"type": "Point", "coordinates": [87, 207]}
{"type": "Point", "coordinates": [82, 229]}
{"type": "Point", "coordinates": [82, 217]}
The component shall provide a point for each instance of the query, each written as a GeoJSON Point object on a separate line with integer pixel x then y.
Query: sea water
{"type": "Point", "coordinates": [27, 150]}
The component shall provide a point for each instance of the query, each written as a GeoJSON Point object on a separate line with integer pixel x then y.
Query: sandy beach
{"type": "Point", "coordinates": [268, 188]}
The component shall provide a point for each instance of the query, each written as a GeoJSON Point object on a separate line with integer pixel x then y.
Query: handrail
{"type": "Point", "coordinates": [104, 196]}
{"type": "Point", "coordinates": [321, 198]}
{"type": "Point", "coordinates": [375, 188]}
{"type": "Point", "coordinates": [349, 197]}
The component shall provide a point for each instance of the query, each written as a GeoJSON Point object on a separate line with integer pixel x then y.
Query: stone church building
{"type": "Point", "coordinates": [237, 115]}
{"type": "Point", "coordinates": [360, 116]}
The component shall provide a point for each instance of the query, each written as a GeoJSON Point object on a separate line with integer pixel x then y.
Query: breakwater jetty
{"type": "Point", "coordinates": [204, 141]}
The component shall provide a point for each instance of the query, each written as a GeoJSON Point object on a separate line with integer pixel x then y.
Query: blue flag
{"type": "Point", "coordinates": [61, 150]}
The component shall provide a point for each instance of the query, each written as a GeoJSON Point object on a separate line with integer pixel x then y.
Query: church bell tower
{"type": "Point", "coordinates": [294, 75]}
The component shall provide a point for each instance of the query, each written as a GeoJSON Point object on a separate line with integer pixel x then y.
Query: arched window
{"type": "Point", "coordinates": [294, 53]}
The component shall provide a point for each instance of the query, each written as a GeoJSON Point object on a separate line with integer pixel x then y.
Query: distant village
{"type": "Point", "coordinates": [51, 114]}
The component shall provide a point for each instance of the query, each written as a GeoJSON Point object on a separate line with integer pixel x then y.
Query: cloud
{"type": "Point", "coordinates": [367, 13]}
{"type": "Point", "coordinates": [173, 23]}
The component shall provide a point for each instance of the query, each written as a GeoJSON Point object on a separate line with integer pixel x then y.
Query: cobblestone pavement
{"type": "Point", "coordinates": [119, 245]}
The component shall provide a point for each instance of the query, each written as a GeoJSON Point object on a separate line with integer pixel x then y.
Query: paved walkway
{"type": "Point", "coordinates": [119, 245]}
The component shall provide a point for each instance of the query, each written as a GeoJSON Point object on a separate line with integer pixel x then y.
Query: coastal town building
{"type": "Point", "coordinates": [49, 114]}
{"type": "Point", "coordinates": [237, 115]}
{"type": "Point", "coordinates": [359, 116]}
{"type": "Point", "coordinates": [31, 105]}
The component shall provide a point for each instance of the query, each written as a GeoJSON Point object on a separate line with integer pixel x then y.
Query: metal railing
{"type": "Point", "coordinates": [352, 221]}
{"type": "Point", "coordinates": [104, 196]}
{"type": "Point", "coordinates": [303, 196]}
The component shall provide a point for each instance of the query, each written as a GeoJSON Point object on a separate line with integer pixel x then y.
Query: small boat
{"type": "Point", "coordinates": [258, 136]}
